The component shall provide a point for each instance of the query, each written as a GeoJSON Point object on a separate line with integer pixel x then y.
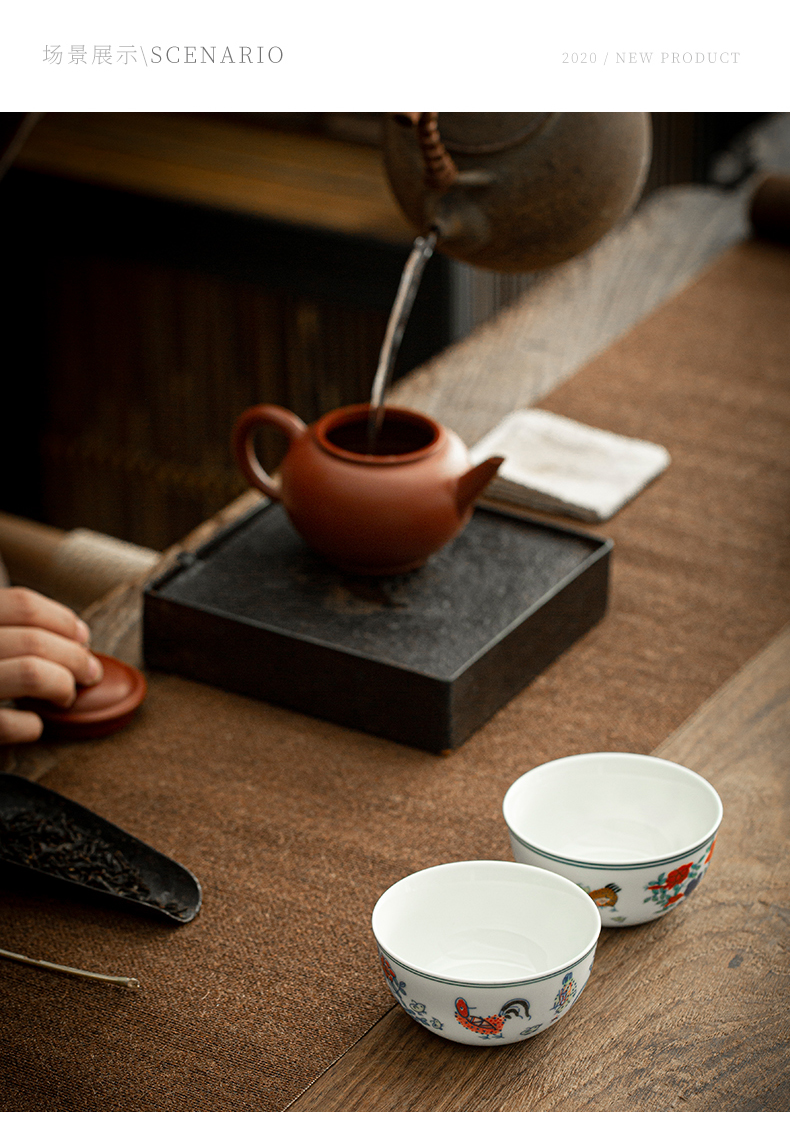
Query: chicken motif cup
{"type": "Point", "coordinates": [635, 832]}
{"type": "Point", "coordinates": [486, 952]}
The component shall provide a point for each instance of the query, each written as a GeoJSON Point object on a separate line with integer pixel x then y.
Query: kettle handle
{"type": "Point", "coordinates": [439, 169]}
{"type": "Point", "coordinates": [244, 449]}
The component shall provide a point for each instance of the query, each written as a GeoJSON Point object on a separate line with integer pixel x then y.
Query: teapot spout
{"type": "Point", "coordinates": [472, 483]}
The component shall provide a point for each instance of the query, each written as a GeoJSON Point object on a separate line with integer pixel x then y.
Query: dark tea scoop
{"type": "Point", "coordinates": [53, 845]}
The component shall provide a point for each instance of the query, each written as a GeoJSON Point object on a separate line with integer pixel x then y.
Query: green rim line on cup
{"type": "Point", "coordinates": [489, 984]}
{"type": "Point", "coordinates": [634, 866]}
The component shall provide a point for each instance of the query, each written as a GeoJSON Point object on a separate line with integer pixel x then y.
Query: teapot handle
{"type": "Point", "coordinates": [244, 449]}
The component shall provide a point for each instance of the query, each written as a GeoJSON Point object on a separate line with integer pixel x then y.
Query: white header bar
{"type": "Point", "coordinates": [365, 55]}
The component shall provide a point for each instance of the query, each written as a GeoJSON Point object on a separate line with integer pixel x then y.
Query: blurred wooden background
{"type": "Point", "coordinates": [168, 270]}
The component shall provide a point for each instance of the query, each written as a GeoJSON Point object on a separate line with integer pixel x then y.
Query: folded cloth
{"type": "Point", "coordinates": [558, 465]}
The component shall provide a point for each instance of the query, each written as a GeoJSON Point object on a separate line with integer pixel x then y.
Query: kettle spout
{"type": "Point", "coordinates": [472, 483]}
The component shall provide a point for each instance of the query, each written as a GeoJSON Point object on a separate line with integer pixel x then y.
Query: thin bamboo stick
{"type": "Point", "coordinates": [128, 982]}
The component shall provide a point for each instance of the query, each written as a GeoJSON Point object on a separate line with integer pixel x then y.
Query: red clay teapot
{"type": "Point", "coordinates": [370, 513]}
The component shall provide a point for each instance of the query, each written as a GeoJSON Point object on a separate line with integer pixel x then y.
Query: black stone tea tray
{"type": "Point", "coordinates": [423, 659]}
{"type": "Point", "coordinates": [52, 826]}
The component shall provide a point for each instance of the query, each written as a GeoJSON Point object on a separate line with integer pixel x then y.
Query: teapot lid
{"type": "Point", "coordinates": [100, 709]}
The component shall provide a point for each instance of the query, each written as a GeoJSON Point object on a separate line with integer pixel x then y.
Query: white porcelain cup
{"type": "Point", "coordinates": [635, 832]}
{"type": "Point", "coordinates": [485, 952]}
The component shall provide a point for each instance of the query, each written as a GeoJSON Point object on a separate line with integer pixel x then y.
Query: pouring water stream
{"type": "Point", "coordinates": [404, 299]}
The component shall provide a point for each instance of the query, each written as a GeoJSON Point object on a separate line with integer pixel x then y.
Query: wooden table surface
{"type": "Point", "coordinates": [688, 1012]}
{"type": "Point", "coordinates": [685, 1013]}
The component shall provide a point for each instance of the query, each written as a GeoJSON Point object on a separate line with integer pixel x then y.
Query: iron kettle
{"type": "Point", "coordinates": [516, 192]}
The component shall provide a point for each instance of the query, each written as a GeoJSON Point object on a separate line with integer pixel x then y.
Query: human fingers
{"type": "Point", "coordinates": [36, 677]}
{"type": "Point", "coordinates": [22, 607]}
{"type": "Point", "coordinates": [19, 727]}
{"type": "Point", "coordinates": [28, 641]}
